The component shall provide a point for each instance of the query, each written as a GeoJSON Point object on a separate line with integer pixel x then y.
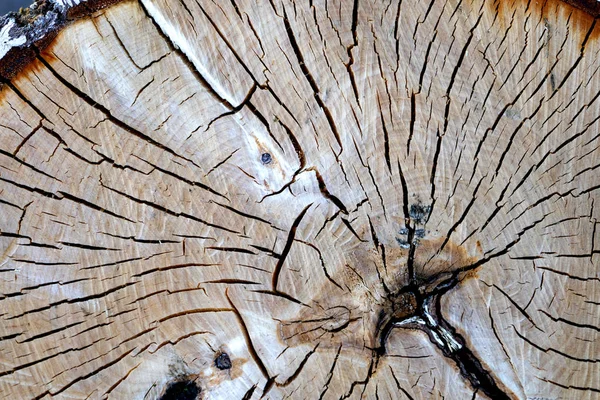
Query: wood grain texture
{"type": "Point", "coordinates": [307, 200]}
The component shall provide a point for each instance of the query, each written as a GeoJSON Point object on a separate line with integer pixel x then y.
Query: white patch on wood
{"type": "Point", "coordinates": [184, 45]}
{"type": "Point", "coordinates": [440, 333]}
{"type": "Point", "coordinates": [411, 320]}
{"type": "Point", "coordinates": [7, 42]}
{"type": "Point", "coordinates": [449, 339]}
{"type": "Point", "coordinates": [237, 345]}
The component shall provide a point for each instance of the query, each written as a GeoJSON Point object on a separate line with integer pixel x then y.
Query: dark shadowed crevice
{"type": "Point", "coordinates": [426, 316]}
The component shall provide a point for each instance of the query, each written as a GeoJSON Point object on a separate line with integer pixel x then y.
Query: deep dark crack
{"type": "Point", "coordinates": [422, 310]}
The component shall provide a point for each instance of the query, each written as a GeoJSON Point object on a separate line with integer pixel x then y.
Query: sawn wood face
{"type": "Point", "coordinates": [308, 200]}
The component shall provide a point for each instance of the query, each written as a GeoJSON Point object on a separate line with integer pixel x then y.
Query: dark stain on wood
{"type": "Point", "coordinates": [591, 7]}
{"type": "Point", "coordinates": [181, 390]}
{"type": "Point", "coordinates": [580, 14]}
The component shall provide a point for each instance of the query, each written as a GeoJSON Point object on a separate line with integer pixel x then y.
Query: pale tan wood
{"type": "Point", "coordinates": [296, 185]}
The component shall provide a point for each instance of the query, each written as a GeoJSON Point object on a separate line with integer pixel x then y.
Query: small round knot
{"type": "Point", "coordinates": [266, 158]}
{"type": "Point", "coordinates": [223, 361]}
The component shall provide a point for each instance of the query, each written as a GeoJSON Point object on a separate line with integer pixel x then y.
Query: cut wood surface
{"type": "Point", "coordinates": [321, 199]}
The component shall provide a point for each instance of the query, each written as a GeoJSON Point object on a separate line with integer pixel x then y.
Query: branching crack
{"type": "Point", "coordinates": [429, 319]}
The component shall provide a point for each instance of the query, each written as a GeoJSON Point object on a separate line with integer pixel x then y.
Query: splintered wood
{"type": "Point", "coordinates": [310, 200]}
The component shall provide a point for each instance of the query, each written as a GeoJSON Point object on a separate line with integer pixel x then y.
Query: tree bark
{"type": "Point", "coordinates": [316, 199]}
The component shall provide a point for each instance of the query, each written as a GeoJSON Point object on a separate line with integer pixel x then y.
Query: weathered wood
{"type": "Point", "coordinates": [308, 200]}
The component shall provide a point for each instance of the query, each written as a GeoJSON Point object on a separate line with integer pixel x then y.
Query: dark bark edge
{"type": "Point", "coordinates": [39, 24]}
{"type": "Point", "coordinates": [591, 7]}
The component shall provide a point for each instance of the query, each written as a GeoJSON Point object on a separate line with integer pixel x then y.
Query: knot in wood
{"type": "Point", "coordinates": [404, 305]}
